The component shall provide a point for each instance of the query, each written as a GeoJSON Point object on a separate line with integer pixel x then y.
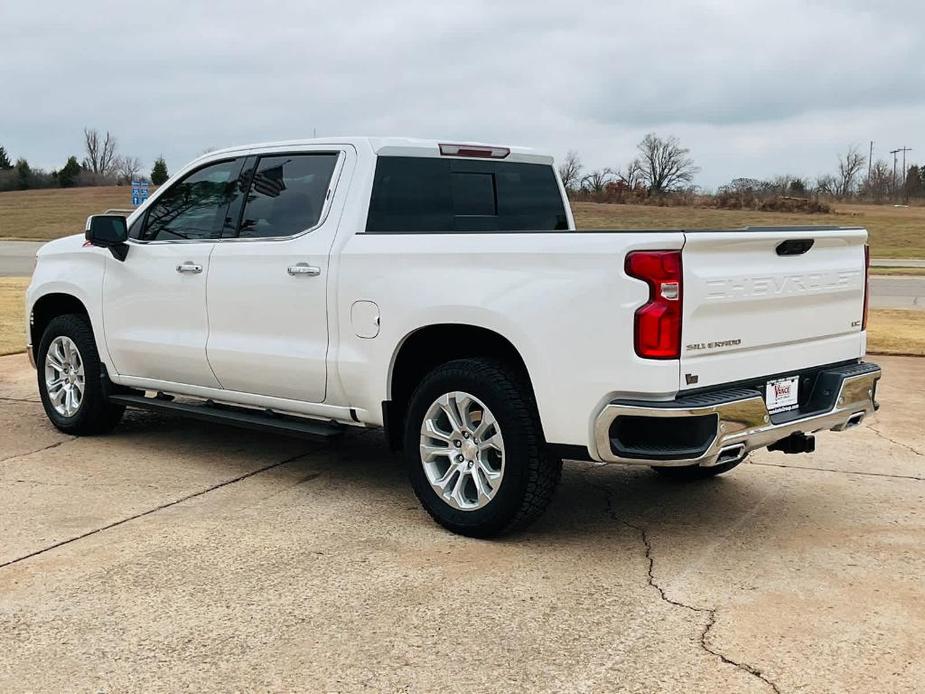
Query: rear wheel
{"type": "Point", "coordinates": [689, 473]}
{"type": "Point", "coordinates": [69, 379]}
{"type": "Point", "coordinates": [475, 450]}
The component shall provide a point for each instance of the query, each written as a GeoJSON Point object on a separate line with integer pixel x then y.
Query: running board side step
{"type": "Point", "coordinates": [236, 416]}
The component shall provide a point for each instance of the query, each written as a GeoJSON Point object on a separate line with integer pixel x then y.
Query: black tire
{"type": "Point", "coordinates": [95, 414]}
{"type": "Point", "coordinates": [530, 474]}
{"type": "Point", "coordinates": [690, 473]}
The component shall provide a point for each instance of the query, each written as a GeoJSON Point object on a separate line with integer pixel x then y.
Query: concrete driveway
{"type": "Point", "coordinates": [174, 555]}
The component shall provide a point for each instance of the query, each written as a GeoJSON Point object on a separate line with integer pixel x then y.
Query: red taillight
{"type": "Point", "coordinates": [866, 285]}
{"type": "Point", "coordinates": [658, 322]}
{"type": "Point", "coordinates": [474, 151]}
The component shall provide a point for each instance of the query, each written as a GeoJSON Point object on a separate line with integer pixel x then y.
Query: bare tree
{"type": "Point", "coordinates": [101, 153]}
{"type": "Point", "coordinates": [570, 170]}
{"type": "Point", "coordinates": [631, 175]}
{"type": "Point", "coordinates": [879, 184]}
{"type": "Point", "coordinates": [666, 165]}
{"type": "Point", "coordinates": [849, 166]}
{"type": "Point", "coordinates": [826, 184]}
{"type": "Point", "coordinates": [127, 168]}
{"type": "Point", "coordinates": [596, 181]}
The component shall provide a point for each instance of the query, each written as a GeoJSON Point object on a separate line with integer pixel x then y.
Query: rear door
{"type": "Point", "coordinates": [770, 301]}
{"type": "Point", "coordinates": [268, 280]}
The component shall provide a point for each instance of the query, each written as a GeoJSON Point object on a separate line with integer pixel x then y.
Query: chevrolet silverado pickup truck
{"type": "Point", "coordinates": [440, 291]}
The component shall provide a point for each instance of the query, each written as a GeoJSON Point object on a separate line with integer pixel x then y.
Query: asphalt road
{"type": "Point", "coordinates": [173, 555]}
{"type": "Point", "coordinates": [897, 292]}
{"type": "Point", "coordinates": [16, 259]}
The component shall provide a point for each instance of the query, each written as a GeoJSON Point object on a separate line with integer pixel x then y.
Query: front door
{"type": "Point", "coordinates": [267, 284]}
{"type": "Point", "coordinates": [154, 303]}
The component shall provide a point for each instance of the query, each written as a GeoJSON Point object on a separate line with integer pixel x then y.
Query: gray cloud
{"type": "Point", "coordinates": [752, 87]}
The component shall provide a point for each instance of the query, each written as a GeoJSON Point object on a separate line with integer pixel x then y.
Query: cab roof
{"type": "Point", "coordinates": [407, 147]}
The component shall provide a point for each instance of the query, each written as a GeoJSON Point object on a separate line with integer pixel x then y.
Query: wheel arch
{"type": "Point", "coordinates": [46, 308]}
{"type": "Point", "coordinates": [427, 347]}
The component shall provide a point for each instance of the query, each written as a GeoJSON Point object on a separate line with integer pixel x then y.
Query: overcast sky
{"type": "Point", "coordinates": [752, 88]}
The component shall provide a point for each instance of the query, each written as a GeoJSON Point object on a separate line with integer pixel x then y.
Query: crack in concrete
{"type": "Point", "coordinates": [142, 514]}
{"type": "Point", "coordinates": [34, 402]}
{"type": "Point", "coordinates": [710, 612]}
{"type": "Point", "coordinates": [839, 472]}
{"type": "Point", "coordinates": [894, 441]}
{"type": "Point", "coordinates": [38, 450]}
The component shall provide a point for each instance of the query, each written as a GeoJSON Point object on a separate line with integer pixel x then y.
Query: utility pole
{"type": "Point", "coordinates": [894, 152]}
{"type": "Point", "coordinates": [870, 160]}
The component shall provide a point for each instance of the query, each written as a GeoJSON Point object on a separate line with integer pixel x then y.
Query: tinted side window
{"type": "Point", "coordinates": [194, 207]}
{"type": "Point", "coordinates": [286, 194]}
{"type": "Point", "coordinates": [458, 195]}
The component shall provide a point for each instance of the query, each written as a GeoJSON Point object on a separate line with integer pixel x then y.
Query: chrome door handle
{"type": "Point", "coordinates": [190, 267]}
{"type": "Point", "coordinates": [304, 269]}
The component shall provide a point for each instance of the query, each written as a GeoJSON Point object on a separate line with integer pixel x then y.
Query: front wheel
{"type": "Point", "coordinates": [69, 379]}
{"type": "Point", "coordinates": [475, 449]}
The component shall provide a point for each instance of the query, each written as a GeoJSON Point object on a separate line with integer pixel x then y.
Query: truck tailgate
{"type": "Point", "coordinates": [753, 308]}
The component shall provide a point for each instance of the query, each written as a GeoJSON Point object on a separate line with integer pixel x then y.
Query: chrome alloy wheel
{"type": "Point", "coordinates": [462, 451]}
{"type": "Point", "coordinates": [64, 376]}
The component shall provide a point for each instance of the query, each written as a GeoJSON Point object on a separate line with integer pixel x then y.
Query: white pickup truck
{"type": "Point", "coordinates": [440, 291]}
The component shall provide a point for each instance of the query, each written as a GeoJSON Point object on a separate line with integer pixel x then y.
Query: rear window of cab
{"type": "Point", "coordinates": [429, 194]}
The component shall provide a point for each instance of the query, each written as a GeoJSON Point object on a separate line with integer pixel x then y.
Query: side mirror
{"type": "Point", "coordinates": [108, 231]}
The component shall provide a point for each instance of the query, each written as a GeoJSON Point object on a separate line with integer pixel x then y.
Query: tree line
{"type": "Point", "coordinates": [101, 165]}
{"type": "Point", "coordinates": [661, 166]}
{"type": "Point", "coordinates": [663, 171]}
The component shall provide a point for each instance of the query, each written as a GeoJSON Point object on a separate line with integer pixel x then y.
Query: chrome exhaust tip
{"type": "Point", "coordinates": [854, 420]}
{"type": "Point", "coordinates": [731, 454]}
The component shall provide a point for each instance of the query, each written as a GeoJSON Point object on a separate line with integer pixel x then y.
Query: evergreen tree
{"type": "Point", "coordinates": [5, 163]}
{"type": "Point", "coordinates": [913, 187]}
{"type": "Point", "coordinates": [67, 177]}
{"type": "Point", "coordinates": [159, 173]}
{"type": "Point", "coordinates": [23, 174]}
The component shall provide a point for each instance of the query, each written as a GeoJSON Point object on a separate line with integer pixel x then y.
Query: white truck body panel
{"type": "Point", "coordinates": [748, 311]}
{"type": "Point", "coordinates": [268, 324]}
{"type": "Point", "coordinates": [525, 287]}
{"type": "Point", "coordinates": [154, 317]}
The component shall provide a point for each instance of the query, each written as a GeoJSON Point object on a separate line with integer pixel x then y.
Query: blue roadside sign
{"type": "Point", "coordinates": [139, 192]}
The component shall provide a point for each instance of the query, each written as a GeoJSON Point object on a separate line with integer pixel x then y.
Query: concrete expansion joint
{"type": "Point", "coordinates": [710, 612]}
{"type": "Point", "coordinates": [142, 514]}
{"type": "Point", "coordinates": [39, 450]}
{"type": "Point", "coordinates": [863, 473]}
{"type": "Point", "coordinates": [34, 401]}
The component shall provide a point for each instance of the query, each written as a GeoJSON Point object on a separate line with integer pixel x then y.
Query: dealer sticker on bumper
{"type": "Point", "coordinates": [782, 394]}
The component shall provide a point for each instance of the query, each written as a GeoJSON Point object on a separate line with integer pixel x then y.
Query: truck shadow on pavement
{"type": "Point", "coordinates": [592, 499]}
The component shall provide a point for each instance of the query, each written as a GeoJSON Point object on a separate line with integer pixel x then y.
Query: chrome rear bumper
{"type": "Point", "coordinates": [742, 421]}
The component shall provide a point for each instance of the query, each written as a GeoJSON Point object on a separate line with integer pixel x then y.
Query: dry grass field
{"type": "Point", "coordinates": [890, 331]}
{"type": "Point", "coordinates": [48, 214]}
{"type": "Point", "coordinates": [12, 312]}
{"type": "Point", "coordinates": [896, 331]}
{"type": "Point", "coordinates": [896, 232]}
{"type": "Point", "coordinates": [899, 271]}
